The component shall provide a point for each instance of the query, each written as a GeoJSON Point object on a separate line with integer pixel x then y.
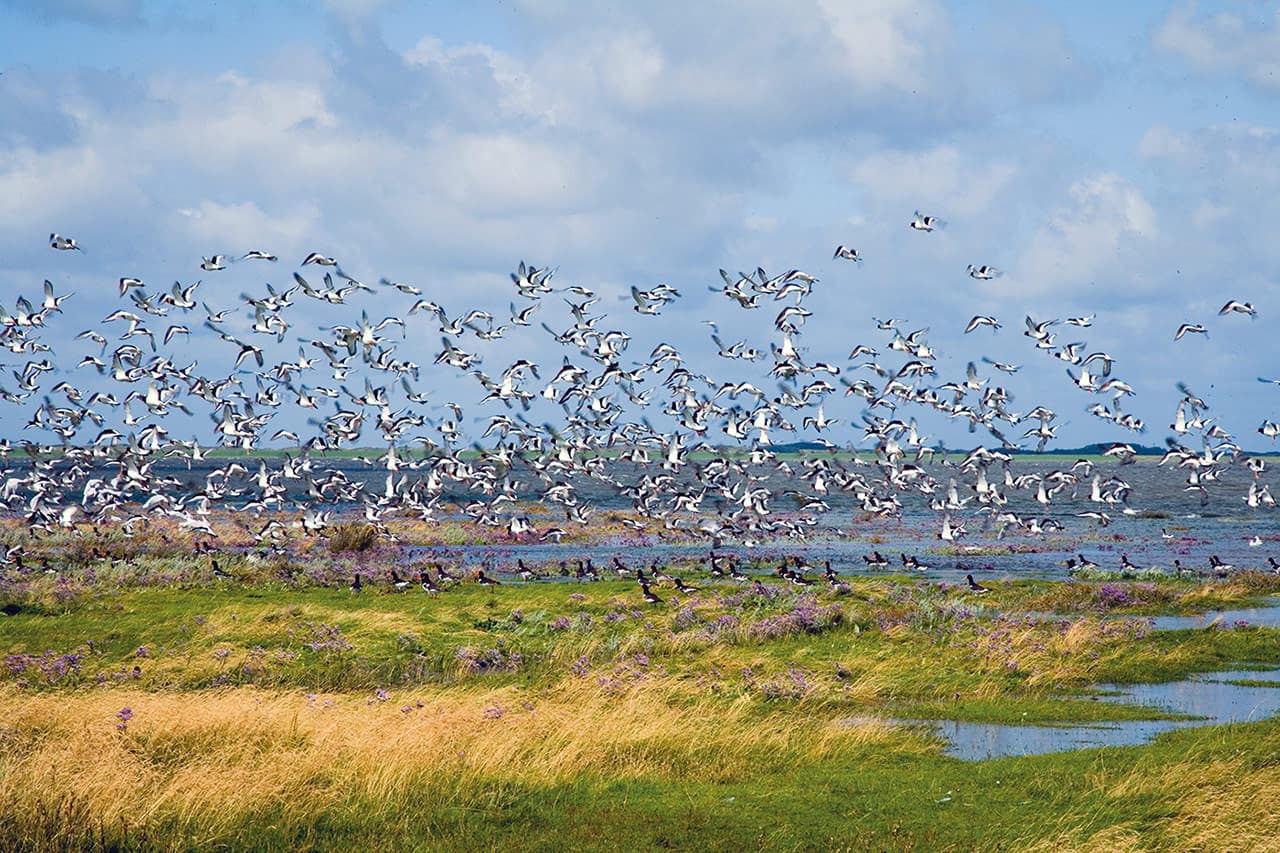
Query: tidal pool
{"type": "Point", "coordinates": [1211, 698]}
{"type": "Point", "coordinates": [1266, 616]}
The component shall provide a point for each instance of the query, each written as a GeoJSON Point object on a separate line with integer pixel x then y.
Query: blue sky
{"type": "Point", "coordinates": [1112, 159]}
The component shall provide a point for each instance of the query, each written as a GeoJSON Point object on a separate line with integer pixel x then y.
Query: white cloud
{"type": "Point", "coordinates": [943, 180]}
{"type": "Point", "coordinates": [1224, 42]}
{"type": "Point", "coordinates": [1162, 141]}
{"type": "Point", "coordinates": [1207, 213]}
{"type": "Point", "coordinates": [886, 45]}
{"type": "Point", "coordinates": [1105, 215]}
{"type": "Point", "coordinates": [244, 225]}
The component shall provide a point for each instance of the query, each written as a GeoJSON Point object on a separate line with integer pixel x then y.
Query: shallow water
{"type": "Point", "coordinates": [1267, 616]}
{"type": "Point", "coordinates": [1208, 696]}
{"type": "Point", "coordinates": [846, 555]}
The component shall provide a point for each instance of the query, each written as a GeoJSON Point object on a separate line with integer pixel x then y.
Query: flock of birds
{"type": "Point", "coordinates": [109, 419]}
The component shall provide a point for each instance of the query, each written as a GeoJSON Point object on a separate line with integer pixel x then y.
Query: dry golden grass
{"type": "Point", "coordinates": [1050, 656]}
{"type": "Point", "coordinates": [1221, 804]}
{"type": "Point", "coordinates": [1229, 807]}
{"type": "Point", "coordinates": [1113, 839]}
{"type": "Point", "coordinates": [209, 761]}
{"type": "Point", "coordinates": [1214, 592]}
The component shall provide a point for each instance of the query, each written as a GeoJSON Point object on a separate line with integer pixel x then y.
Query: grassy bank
{"type": "Point", "coordinates": [215, 714]}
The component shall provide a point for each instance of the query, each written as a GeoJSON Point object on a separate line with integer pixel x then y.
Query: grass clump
{"type": "Point", "coordinates": [352, 537]}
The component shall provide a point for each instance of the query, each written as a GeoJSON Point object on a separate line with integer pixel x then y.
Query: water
{"type": "Point", "coordinates": [1256, 617]}
{"type": "Point", "coordinates": [1178, 526]}
{"type": "Point", "coordinates": [1209, 697]}
{"type": "Point", "coordinates": [845, 555]}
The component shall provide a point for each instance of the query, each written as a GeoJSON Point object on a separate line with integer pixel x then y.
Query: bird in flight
{"type": "Point", "coordinates": [920, 222]}
{"type": "Point", "coordinates": [1237, 307]}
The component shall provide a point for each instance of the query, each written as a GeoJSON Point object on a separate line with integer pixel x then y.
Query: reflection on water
{"type": "Point", "coordinates": [1256, 617]}
{"type": "Point", "coordinates": [1209, 697]}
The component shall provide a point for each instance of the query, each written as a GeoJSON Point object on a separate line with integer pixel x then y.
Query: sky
{"type": "Point", "coordinates": [1117, 160]}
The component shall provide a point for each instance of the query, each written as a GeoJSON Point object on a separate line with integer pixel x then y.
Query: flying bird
{"type": "Point", "coordinates": [984, 272]}
{"type": "Point", "coordinates": [1237, 307]}
{"type": "Point", "coordinates": [920, 222]}
{"type": "Point", "coordinates": [982, 320]}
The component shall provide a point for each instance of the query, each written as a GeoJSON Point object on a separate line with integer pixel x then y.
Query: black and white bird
{"type": "Point", "coordinates": [847, 253]}
{"type": "Point", "coordinates": [57, 241]}
{"type": "Point", "coordinates": [982, 320]}
{"type": "Point", "coordinates": [920, 222]}
{"type": "Point", "coordinates": [984, 272]}
{"type": "Point", "coordinates": [912, 562]}
{"type": "Point", "coordinates": [1190, 328]}
{"type": "Point", "coordinates": [1219, 568]}
{"type": "Point", "coordinates": [974, 586]}
{"type": "Point", "coordinates": [1237, 307]}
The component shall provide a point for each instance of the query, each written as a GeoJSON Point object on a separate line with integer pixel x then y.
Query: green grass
{"type": "Point", "coordinates": [728, 720]}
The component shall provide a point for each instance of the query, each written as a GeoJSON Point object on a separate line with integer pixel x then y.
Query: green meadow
{"type": "Point", "coordinates": [152, 705]}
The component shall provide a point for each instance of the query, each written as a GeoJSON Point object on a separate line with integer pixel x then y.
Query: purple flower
{"type": "Point", "coordinates": [124, 715]}
{"type": "Point", "coordinates": [684, 619]}
{"type": "Point", "coordinates": [495, 659]}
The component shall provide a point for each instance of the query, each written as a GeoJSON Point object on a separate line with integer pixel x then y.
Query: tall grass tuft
{"type": "Point", "coordinates": [352, 537]}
